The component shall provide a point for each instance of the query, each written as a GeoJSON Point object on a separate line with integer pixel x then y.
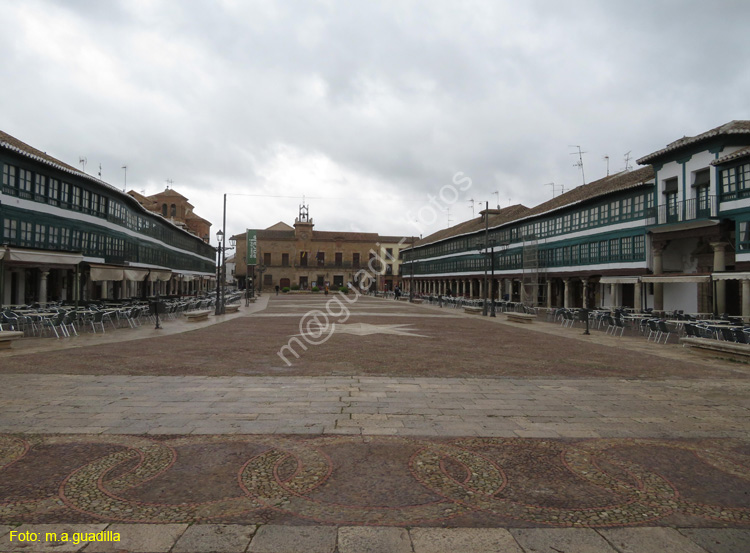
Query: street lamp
{"type": "Point", "coordinates": [221, 269]}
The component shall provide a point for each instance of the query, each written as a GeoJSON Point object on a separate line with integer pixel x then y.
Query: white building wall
{"type": "Point", "coordinates": [681, 296]}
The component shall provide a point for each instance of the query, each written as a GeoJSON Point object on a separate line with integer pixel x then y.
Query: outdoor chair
{"type": "Point", "coordinates": [68, 323]}
{"type": "Point", "coordinates": [663, 329]}
{"type": "Point", "coordinates": [97, 320]}
{"type": "Point", "coordinates": [727, 334]}
{"type": "Point", "coordinates": [740, 336]}
{"type": "Point", "coordinates": [653, 330]}
{"type": "Point", "coordinates": [619, 324]}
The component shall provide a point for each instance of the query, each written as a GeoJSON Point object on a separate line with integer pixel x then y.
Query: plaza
{"type": "Point", "coordinates": [392, 427]}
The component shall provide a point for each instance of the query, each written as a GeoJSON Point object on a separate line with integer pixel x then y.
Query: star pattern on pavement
{"type": "Point", "coordinates": [365, 329]}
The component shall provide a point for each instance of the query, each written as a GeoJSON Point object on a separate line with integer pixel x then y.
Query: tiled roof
{"type": "Point", "coordinates": [12, 143]}
{"type": "Point", "coordinates": [733, 127]}
{"type": "Point", "coordinates": [517, 213]}
{"type": "Point", "coordinates": [497, 217]}
{"type": "Point", "coordinates": [602, 187]}
{"type": "Point", "coordinates": [739, 154]}
{"type": "Point", "coordinates": [346, 236]}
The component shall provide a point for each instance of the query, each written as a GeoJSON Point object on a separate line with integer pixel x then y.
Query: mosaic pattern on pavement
{"type": "Point", "coordinates": [261, 479]}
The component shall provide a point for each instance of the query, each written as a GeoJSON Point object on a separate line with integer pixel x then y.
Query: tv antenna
{"type": "Point", "coordinates": [169, 182]}
{"type": "Point", "coordinates": [606, 158]}
{"type": "Point", "coordinates": [555, 187]}
{"type": "Point", "coordinates": [450, 219]}
{"type": "Point", "coordinates": [497, 193]}
{"type": "Point", "coordinates": [125, 184]}
{"type": "Point", "coordinates": [628, 167]}
{"type": "Point", "coordinates": [579, 163]}
{"type": "Point", "coordinates": [471, 205]}
{"type": "Point", "coordinates": [83, 161]}
{"type": "Point", "coordinates": [100, 171]}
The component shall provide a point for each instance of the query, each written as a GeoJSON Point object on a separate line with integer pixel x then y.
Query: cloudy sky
{"type": "Point", "coordinates": [367, 108]}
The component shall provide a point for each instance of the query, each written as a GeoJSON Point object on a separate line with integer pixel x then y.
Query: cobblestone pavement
{"type": "Point", "coordinates": [408, 429]}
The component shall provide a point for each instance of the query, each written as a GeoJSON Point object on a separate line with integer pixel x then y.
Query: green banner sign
{"type": "Point", "coordinates": [252, 247]}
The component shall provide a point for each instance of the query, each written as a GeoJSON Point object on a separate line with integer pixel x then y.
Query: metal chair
{"type": "Point", "coordinates": [663, 329]}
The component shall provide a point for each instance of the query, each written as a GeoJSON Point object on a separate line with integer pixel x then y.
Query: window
{"type": "Point", "coordinates": [604, 214]}
{"type": "Point", "coordinates": [321, 258]}
{"type": "Point", "coordinates": [338, 259]}
{"type": "Point", "coordinates": [10, 228]}
{"type": "Point", "coordinates": [25, 235]}
{"type": "Point", "coordinates": [24, 183]}
{"type": "Point", "coordinates": [164, 210]}
{"type": "Point", "coordinates": [614, 249]}
{"type": "Point", "coordinates": [593, 252]}
{"type": "Point", "coordinates": [566, 223]}
{"type": "Point", "coordinates": [40, 189]}
{"type": "Point", "coordinates": [41, 235]}
{"type": "Point", "coordinates": [735, 182]}
{"type": "Point", "coordinates": [614, 211]}
{"type": "Point", "coordinates": [95, 203]}
{"type": "Point", "coordinates": [75, 198]}
{"type": "Point", "coordinates": [64, 238]}
{"type": "Point", "coordinates": [355, 260]}
{"type": "Point", "coordinates": [303, 259]}
{"type": "Point", "coordinates": [576, 220]}
{"type": "Point", "coordinates": [626, 245]}
{"type": "Point", "coordinates": [54, 237]}
{"type": "Point", "coordinates": [638, 206]}
{"type": "Point", "coordinates": [285, 260]}
{"type": "Point", "coordinates": [639, 247]}
{"type": "Point", "coordinates": [85, 201]}
{"type": "Point", "coordinates": [627, 208]}
{"type": "Point", "coordinates": [267, 258]}
{"type": "Point", "coordinates": [594, 216]}
{"type": "Point", "coordinates": [743, 235]}
{"type": "Point", "coordinates": [267, 280]}
{"type": "Point", "coordinates": [585, 218]}
{"type": "Point", "coordinates": [53, 189]}
{"type": "Point", "coordinates": [603, 251]}
{"type": "Point", "coordinates": [65, 193]}
{"type": "Point", "coordinates": [9, 179]}
{"type": "Point", "coordinates": [389, 254]}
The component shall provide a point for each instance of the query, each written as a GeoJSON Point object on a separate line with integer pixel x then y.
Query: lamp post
{"type": "Point", "coordinates": [219, 250]}
{"type": "Point", "coordinates": [221, 270]}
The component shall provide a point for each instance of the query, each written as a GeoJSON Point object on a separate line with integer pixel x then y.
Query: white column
{"type": "Point", "coordinates": [566, 293]}
{"type": "Point", "coordinates": [43, 287]}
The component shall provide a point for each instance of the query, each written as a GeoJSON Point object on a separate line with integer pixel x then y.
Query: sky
{"type": "Point", "coordinates": [386, 116]}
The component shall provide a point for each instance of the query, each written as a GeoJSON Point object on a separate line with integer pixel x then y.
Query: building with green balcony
{"type": "Point", "coordinates": [68, 236]}
{"type": "Point", "coordinates": [672, 235]}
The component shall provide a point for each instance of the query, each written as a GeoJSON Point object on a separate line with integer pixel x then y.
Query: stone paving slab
{"type": "Point", "coordinates": [290, 539]}
{"type": "Point", "coordinates": [210, 538]}
{"type": "Point", "coordinates": [347, 539]}
{"type": "Point", "coordinates": [636, 540]}
{"type": "Point", "coordinates": [463, 540]}
{"type": "Point", "coordinates": [719, 540]}
{"type": "Point", "coordinates": [364, 539]}
{"type": "Point", "coordinates": [374, 405]}
{"type": "Point", "coordinates": [580, 540]}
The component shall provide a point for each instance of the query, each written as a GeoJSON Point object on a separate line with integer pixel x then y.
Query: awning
{"type": "Point", "coordinates": [159, 275]}
{"type": "Point", "coordinates": [135, 274]}
{"type": "Point", "coordinates": [665, 279]}
{"type": "Point", "coordinates": [42, 257]}
{"type": "Point", "coordinates": [618, 280]}
{"type": "Point", "coordinates": [731, 276]}
{"type": "Point", "coordinates": [106, 272]}
{"type": "Point", "coordinates": [187, 278]}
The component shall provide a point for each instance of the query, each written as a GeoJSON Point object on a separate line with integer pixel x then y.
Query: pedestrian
{"type": "Point", "coordinates": [277, 289]}
{"type": "Point", "coordinates": [326, 290]}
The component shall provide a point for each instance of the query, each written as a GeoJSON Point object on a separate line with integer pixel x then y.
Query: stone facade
{"type": "Point", "coordinates": [302, 256]}
{"type": "Point", "coordinates": [174, 206]}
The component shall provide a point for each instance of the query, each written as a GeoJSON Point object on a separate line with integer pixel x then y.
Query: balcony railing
{"type": "Point", "coordinates": [686, 210]}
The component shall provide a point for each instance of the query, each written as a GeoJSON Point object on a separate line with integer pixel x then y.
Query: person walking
{"type": "Point", "coordinates": [277, 289]}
